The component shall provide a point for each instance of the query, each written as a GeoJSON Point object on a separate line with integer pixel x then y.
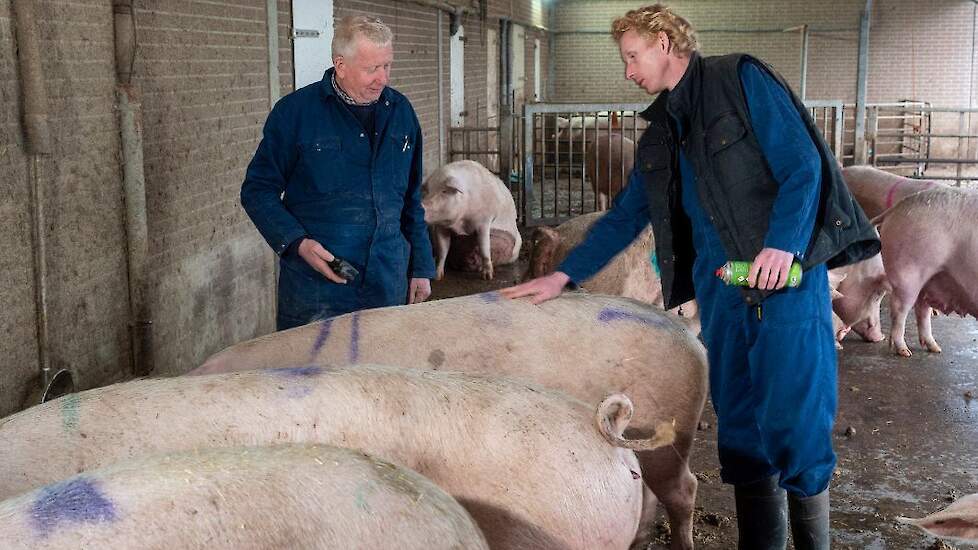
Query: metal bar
{"type": "Point", "coordinates": [862, 76]}
{"type": "Point", "coordinates": [898, 159]}
{"type": "Point", "coordinates": [804, 61]}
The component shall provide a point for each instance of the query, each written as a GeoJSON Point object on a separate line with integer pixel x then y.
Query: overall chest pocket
{"type": "Point", "coordinates": [402, 147]}
{"type": "Point", "coordinates": [733, 156]}
{"type": "Point", "coordinates": [321, 161]}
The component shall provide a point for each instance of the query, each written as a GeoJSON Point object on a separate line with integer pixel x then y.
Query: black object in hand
{"type": "Point", "coordinates": [343, 268]}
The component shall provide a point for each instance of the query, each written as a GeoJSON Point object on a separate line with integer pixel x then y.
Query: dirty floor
{"type": "Point", "coordinates": [906, 436]}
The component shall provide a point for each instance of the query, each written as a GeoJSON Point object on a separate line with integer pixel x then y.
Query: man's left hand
{"type": "Point", "coordinates": [419, 290]}
{"type": "Point", "coordinates": [770, 268]}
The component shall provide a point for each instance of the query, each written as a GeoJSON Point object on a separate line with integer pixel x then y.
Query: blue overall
{"type": "Point", "coordinates": [317, 174]}
{"type": "Point", "coordinates": [772, 366]}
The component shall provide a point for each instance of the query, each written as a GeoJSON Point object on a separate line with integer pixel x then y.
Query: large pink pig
{"type": "Point", "coordinates": [527, 463]}
{"type": "Point", "coordinates": [313, 497]}
{"type": "Point", "coordinates": [465, 198]}
{"type": "Point", "coordinates": [586, 345]}
{"type": "Point", "coordinates": [930, 259]}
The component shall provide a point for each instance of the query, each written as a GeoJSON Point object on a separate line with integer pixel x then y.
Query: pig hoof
{"type": "Point", "coordinates": [440, 274]}
{"type": "Point", "coordinates": [487, 272]}
{"type": "Point", "coordinates": [905, 352]}
{"type": "Point", "coordinates": [932, 347]}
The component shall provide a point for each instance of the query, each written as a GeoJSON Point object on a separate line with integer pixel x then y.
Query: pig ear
{"type": "Point", "coordinates": [836, 294]}
{"type": "Point", "coordinates": [452, 186]}
{"type": "Point", "coordinates": [835, 279]}
{"type": "Point", "coordinates": [957, 521]}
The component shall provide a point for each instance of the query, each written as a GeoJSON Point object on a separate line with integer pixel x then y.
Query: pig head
{"type": "Point", "coordinates": [858, 291]}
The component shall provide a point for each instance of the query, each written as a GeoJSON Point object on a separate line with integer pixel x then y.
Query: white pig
{"type": "Point", "coordinates": [462, 198]}
{"type": "Point", "coordinates": [859, 290]}
{"type": "Point", "coordinates": [930, 259]}
{"type": "Point", "coordinates": [526, 462]}
{"type": "Point", "coordinates": [632, 273]}
{"type": "Point", "coordinates": [958, 522]}
{"type": "Point", "coordinates": [241, 498]}
{"type": "Point", "coordinates": [583, 344]}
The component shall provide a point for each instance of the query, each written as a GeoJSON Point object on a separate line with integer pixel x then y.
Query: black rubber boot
{"type": "Point", "coordinates": [810, 521]}
{"type": "Point", "coordinates": [762, 515]}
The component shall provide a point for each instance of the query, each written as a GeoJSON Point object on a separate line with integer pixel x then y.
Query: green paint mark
{"type": "Point", "coordinates": [361, 494]}
{"type": "Point", "coordinates": [655, 264]}
{"type": "Point", "coordinates": [69, 412]}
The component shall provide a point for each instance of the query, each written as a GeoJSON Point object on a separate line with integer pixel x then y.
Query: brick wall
{"type": "Point", "coordinates": [918, 50]}
{"type": "Point", "coordinates": [82, 205]}
{"type": "Point", "coordinates": [202, 73]}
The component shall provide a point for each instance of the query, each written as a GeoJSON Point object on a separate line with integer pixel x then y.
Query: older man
{"type": "Point", "coordinates": [338, 175]}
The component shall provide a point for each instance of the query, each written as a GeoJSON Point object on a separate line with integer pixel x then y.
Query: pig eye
{"type": "Point", "coordinates": [450, 191]}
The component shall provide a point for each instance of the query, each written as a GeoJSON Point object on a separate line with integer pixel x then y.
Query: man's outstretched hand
{"type": "Point", "coordinates": [540, 289]}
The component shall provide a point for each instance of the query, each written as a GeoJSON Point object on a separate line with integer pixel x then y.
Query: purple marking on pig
{"type": "Point", "coordinates": [489, 297]}
{"type": "Point", "coordinates": [355, 337]}
{"type": "Point", "coordinates": [611, 314]}
{"type": "Point", "coordinates": [321, 337]}
{"type": "Point", "coordinates": [77, 500]}
{"type": "Point", "coordinates": [298, 372]}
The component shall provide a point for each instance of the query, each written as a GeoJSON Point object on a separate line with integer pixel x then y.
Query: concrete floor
{"type": "Point", "coordinates": [906, 435]}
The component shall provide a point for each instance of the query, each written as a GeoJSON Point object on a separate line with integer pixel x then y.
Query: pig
{"type": "Point", "coordinates": [930, 260]}
{"type": "Point", "coordinates": [608, 163]}
{"type": "Point", "coordinates": [464, 253]}
{"type": "Point", "coordinates": [632, 273]}
{"type": "Point", "coordinates": [877, 191]}
{"type": "Point", "coordinates": [284, 496]}
{"type": "Point", "coordinates": [463, 198]}
{"type": "Point", "coordinates": [958, 522]}
{"type": "Point", "coordinates": [582, 344]}
{"type": "Point", "coordinates": [858, 290]}
{"type": "Point", "coordinates": [527, 463]}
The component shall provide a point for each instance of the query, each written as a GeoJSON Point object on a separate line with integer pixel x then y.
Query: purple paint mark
{"type": "Point", "coordinates": [298, 372]}
{"type": "Point", "coordinates": [355, 337]}
{"type": "Point", "coordinates": [610, 314]}
{"type": "Point", "coordinates": [77, 500]}
{"type": "Point", "coordinates": [489, 297]}
{"type": "Point", "coordinates": [321, 338]}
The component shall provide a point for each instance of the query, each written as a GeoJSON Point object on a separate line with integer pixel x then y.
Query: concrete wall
{"type": "Point", "coordinates": [918, 50]}
{"type": "Point", "coordinates": [201, 80]}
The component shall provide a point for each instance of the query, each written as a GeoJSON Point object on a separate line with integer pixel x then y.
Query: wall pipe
{"type": "Point", "coordinates": [37, 142]}
{"type": "Point", "coordinates": [441, 99]}
{"type": "Point", "coordinates": [134, 186]}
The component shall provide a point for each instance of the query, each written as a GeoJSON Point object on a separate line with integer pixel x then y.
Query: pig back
{"type": "Point", "coordinates": [285, 496]}
{"type": "Point", "coordinates": [547, 457]}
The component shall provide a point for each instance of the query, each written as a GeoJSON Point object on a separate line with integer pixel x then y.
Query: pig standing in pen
{"type": "Point", "coordinates": [527, 463]}
{"type": "Point", "coordinates": [930, 260]}
{"type": "Point", "coordinates": [585, 345]}
{"type": "Point", "coordinates": [465, 198]}
{"type": "Point", "coordinates": [241, 498]}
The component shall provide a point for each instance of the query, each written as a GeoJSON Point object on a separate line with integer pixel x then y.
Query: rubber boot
{"type": "Point", "coordinates": [762, 515]}
{"type": "Point", "coordinates": [810, 521]}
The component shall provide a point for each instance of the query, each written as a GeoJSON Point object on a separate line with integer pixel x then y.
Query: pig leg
{"type": "Point", "coordinates": [485, 249]}
{"type": "Point", "coordinates": [924, 313]}
{"type": "Point", "coordinates": [646, 523]}
{"type": "Point", "coordinates": [443, 241]}
{"type": "Point", "coordinates": [667, 473]}
{"type": "Point", "coordinates": [900, 304]}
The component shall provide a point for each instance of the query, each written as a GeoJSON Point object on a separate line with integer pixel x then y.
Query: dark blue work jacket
{"type": "Point", "coordinates": [317, 174]}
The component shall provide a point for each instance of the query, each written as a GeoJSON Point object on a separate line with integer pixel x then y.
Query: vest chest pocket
{"type": "Point", "coordinates": [733, 157]}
